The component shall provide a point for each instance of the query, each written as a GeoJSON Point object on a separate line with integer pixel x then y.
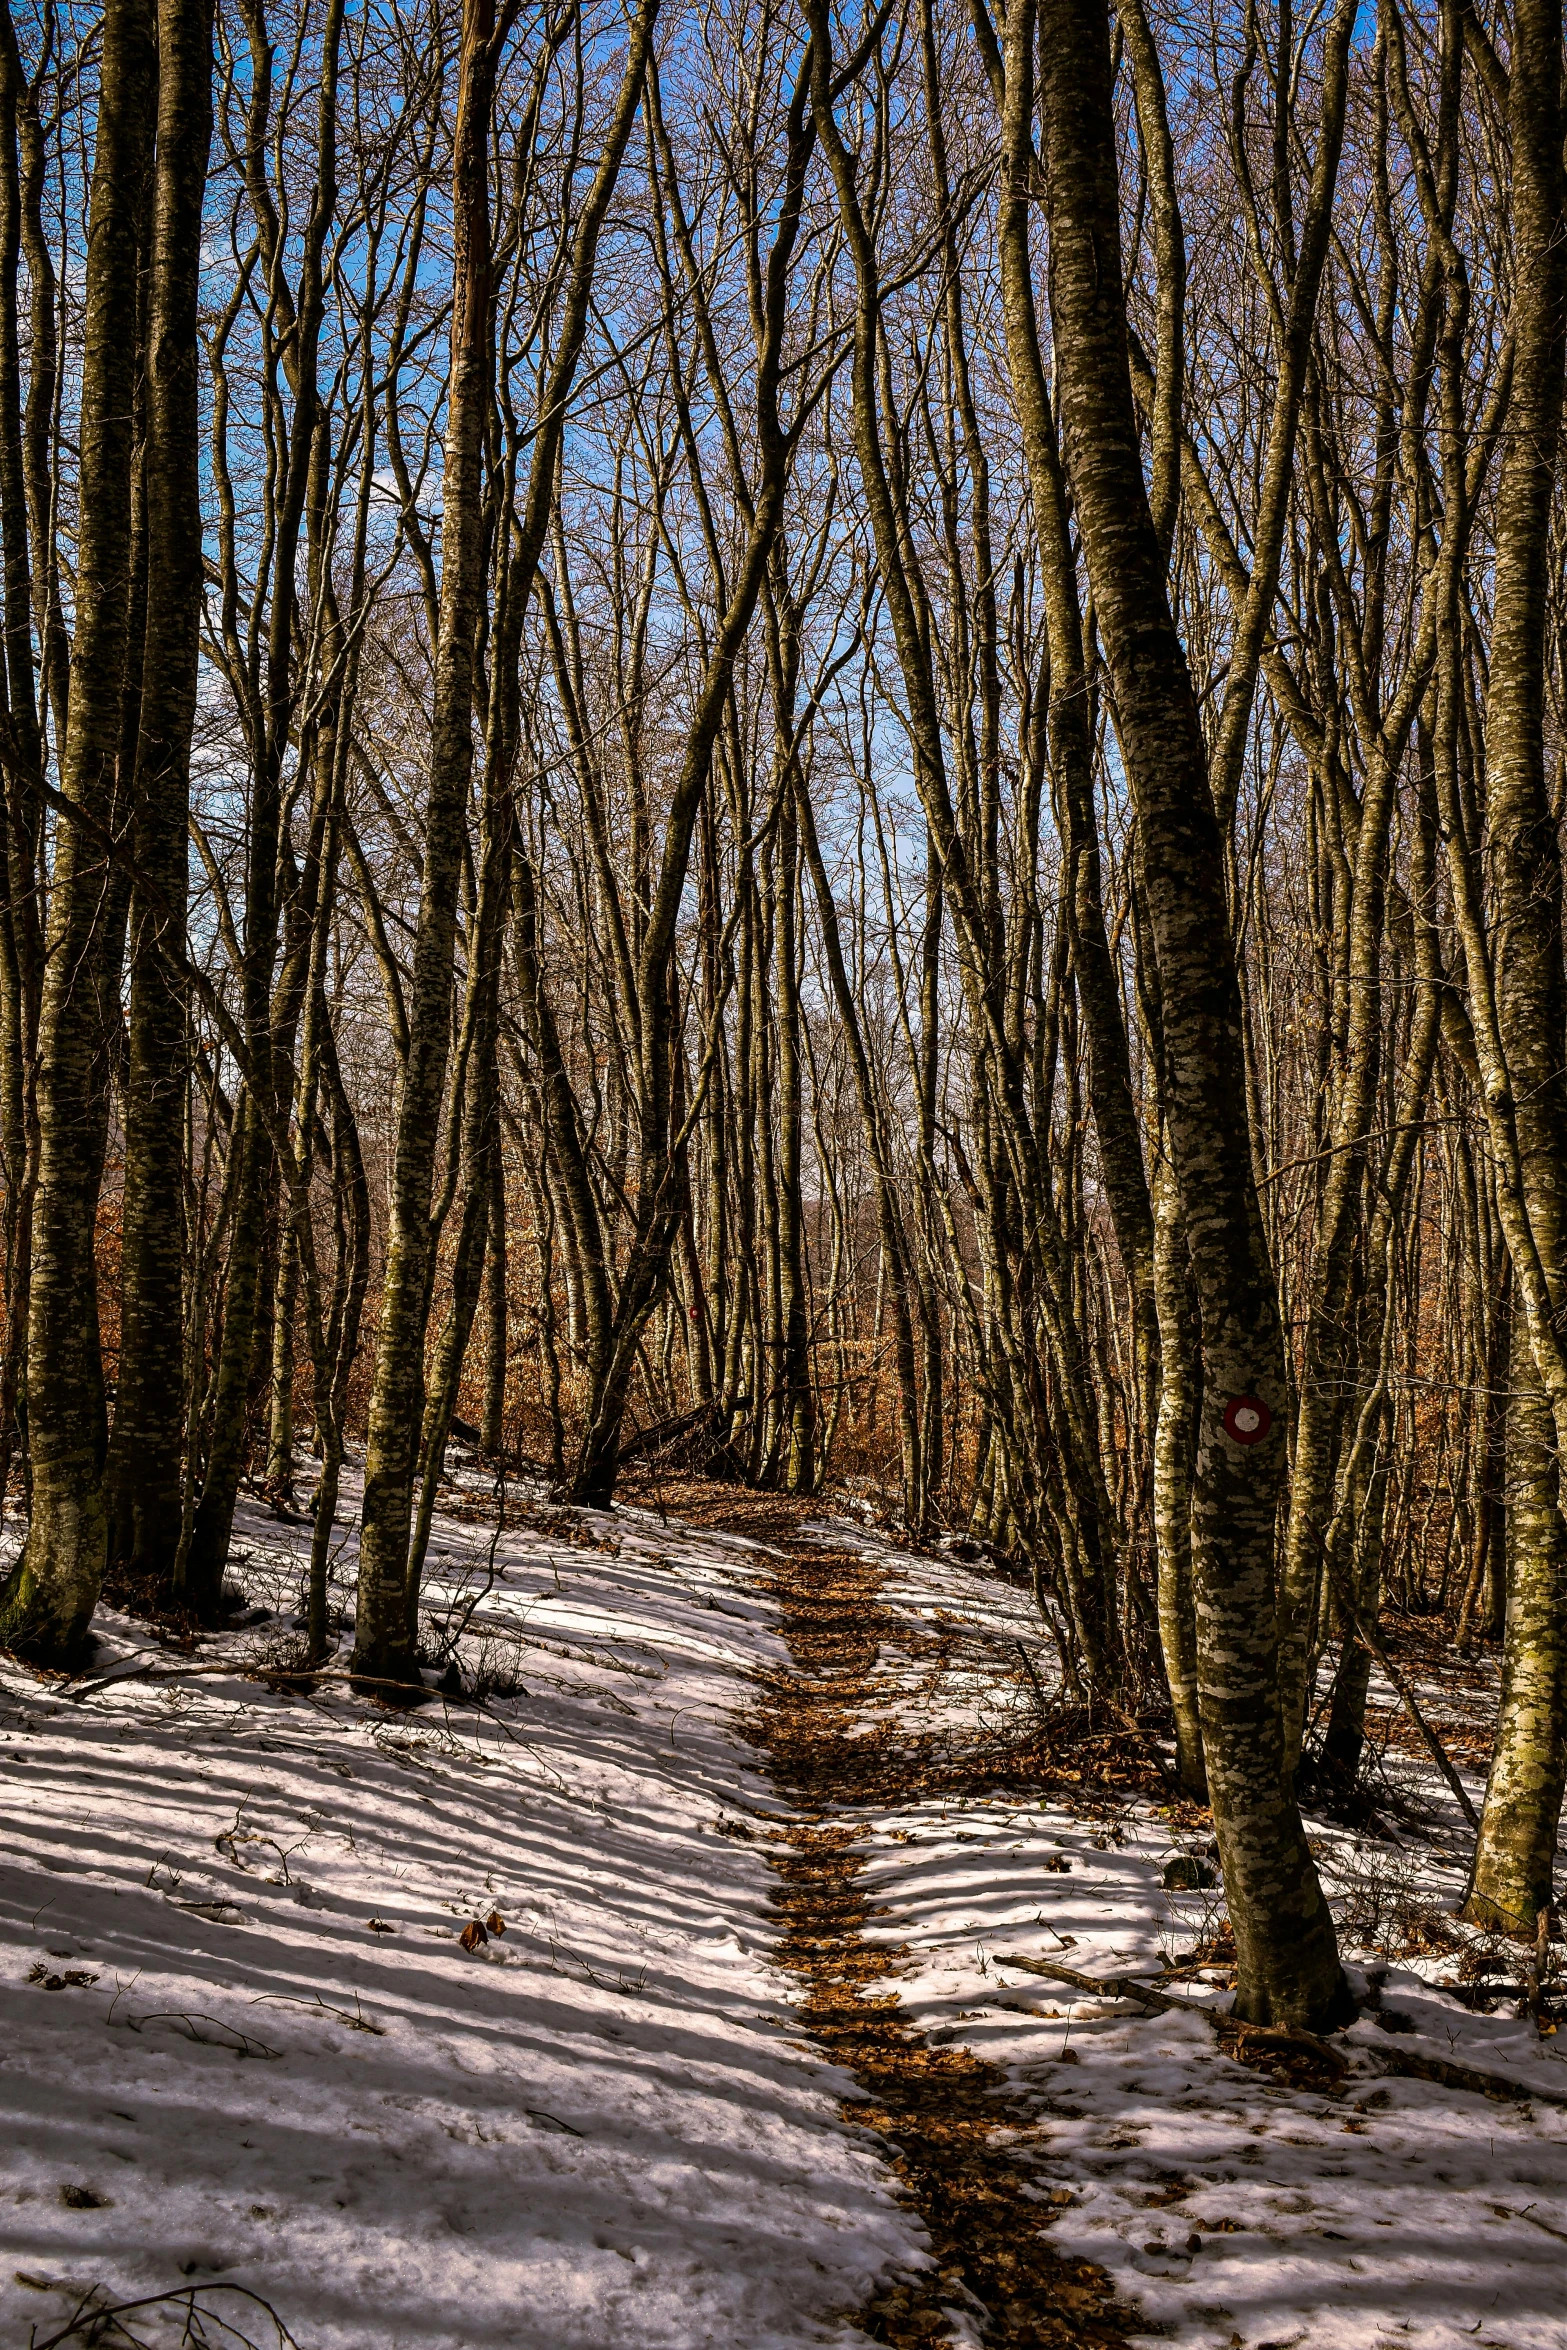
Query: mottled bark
{"type": "Point", "coordinates": [1288, 1959]}
{"type": "Point", "coordinates": [492, 1427]}
{"type": "Point", "coordinates": [48, 1600]}
{"type": "Point", "coordinates": [383, 1647]}
{"type": "Point", "coordinates": [1513, 1875]}
{"type": "Point", "coordinates": [1180, 1403]}
{"type": "Point", "coordinates": [21, 805]}
{"type": "Point", "coordinates": [1070, 719]}
{"type": "Point", "coordinates": [1517, 983]}
{"type": "Point", "coordinates": [271, 703]}
{"type": "Point", "coordinates": [144, 1492]}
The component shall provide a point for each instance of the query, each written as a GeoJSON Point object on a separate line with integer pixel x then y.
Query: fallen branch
{"type": "Point", "coordinates": [411, 1692]}
{"type": "Point", "coordinates": [1115, 1987]}
{"type": "Point", "coordinates": [1465, 2076]}
{"type": "Point", "coordinates": [661, 1432]}
{"type": "Point", "coordinates": [1286, 2037]}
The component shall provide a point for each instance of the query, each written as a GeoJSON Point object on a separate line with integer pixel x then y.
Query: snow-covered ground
{"type": "Point", "coordinates": [600, 2128]}
{"type": "Point", "coordinates": [1228, 2210]}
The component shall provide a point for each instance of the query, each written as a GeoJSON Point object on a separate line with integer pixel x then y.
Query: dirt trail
{"type": "Point", "coordinates": [938, 2110]}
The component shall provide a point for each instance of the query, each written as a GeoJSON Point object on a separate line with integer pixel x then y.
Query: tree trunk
{"type": "Point", "coordinates": [1288, 1970]}
{"type": "Point", "coordinates": [1180, 1402]}
{"type": "Point", "coordinates": [21, 802]}
{"type": "Point", "coordinates": [383, 1646]}
{"type": "Point", "coordinates": [1512, 1878]}
{"type": "Point", "coordinates": [144, 1463]}
{"type": "Point", "coordinates": [1512, 1875]}
{"type": "Point", "coordinates": [492, 1431]}
{"type": "Point", "coordinates": [273, 716]}
{"type": "Point", "coordinates": [48, 1600]}
{"type": "Point", "coordinates": [476, 1141]}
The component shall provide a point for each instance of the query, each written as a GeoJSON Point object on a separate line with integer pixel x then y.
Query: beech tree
{"type": "Point", "coordinates": [819, 744]}
{"type": "Point", "coordinates": [49, 1598]}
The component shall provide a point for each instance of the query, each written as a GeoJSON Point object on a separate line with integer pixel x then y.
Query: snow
{"type": "Point", "coordinates": [598, 2130]}
{"type": "Point", "coordinates": [602, 2127]}
{"type": "Point", "coordinates": [1398, 2211]}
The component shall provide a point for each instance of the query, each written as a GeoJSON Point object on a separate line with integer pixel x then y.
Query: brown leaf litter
{"type": "Point", "coordinates": [939, 2112]}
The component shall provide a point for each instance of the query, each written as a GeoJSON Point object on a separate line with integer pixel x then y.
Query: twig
{"type": "Point", "coordinates": [1170, 1778]}
{"type": "Point", "coordinates": [247, 2046]}
{"type": "Point", "coordinates": [358, 2022]}
{"type": "Point", "coordinates": [537, 2113]}
{"type": "Point", "coordinates": [91, 2314]}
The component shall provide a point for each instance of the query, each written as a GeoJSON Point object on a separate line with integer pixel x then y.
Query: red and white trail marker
{"type": "Point", "coordinates": [1247, 1419]}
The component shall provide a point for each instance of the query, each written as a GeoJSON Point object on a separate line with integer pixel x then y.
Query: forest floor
{"type": "Point", "coordinates": [677, 1986]}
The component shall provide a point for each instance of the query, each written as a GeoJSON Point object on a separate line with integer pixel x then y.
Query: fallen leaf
{"type": "Point", "coordinates": [495, 1922]}
{"type": "Point", "coordinates": [473, 1935]}
{"type": "Point", "coordinates": [71, 1980]}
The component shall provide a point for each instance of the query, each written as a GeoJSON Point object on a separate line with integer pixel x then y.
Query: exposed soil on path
{"type": "Point", "coordinates": [939, 2111]}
